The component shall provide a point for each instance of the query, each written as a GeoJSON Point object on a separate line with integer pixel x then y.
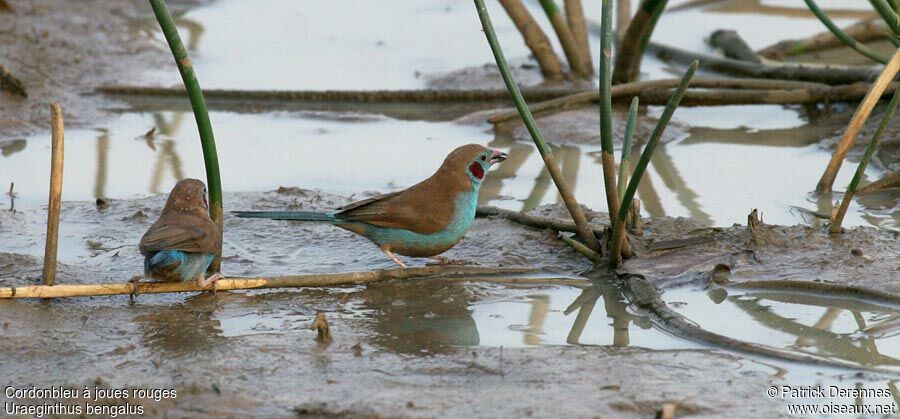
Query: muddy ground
{"type": "Point", "coordinates": [400, 349]}
{"type": "Point", "coordinates": [382, 362]}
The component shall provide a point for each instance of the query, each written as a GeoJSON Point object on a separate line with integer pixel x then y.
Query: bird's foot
{"type": "Point", "coordinates": [393, 257]}
{"type": "Point", "coordinates": [443, 261]}
{"type": "Point", "coordinates": [212, 279]}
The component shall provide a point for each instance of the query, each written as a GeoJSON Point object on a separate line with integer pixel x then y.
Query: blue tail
{"type": "Point", "coordinates": [288, 215]}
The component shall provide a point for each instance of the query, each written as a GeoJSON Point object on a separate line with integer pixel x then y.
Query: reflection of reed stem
{"type": "Point", "coordinates": [102, 156]}
{"type": "Point", "coordinates": [619, 225]}
{"type": "Point", "coordinates": [565, 190]}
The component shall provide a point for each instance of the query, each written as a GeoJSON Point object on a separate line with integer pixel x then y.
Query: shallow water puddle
{"type": "Point", "coordinates": [714, 175]}
{"type": "Point", "coordinates": [846, 329]}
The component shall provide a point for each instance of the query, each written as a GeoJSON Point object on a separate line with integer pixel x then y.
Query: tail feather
{"type": "Point", "coordinates": [288, 215]}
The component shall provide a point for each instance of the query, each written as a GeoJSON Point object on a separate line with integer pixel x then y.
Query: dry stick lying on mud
{"type": "Point", "coordinates": [889, 181]}
{"type": "Point", "coordinates": [360, 96]}
{"type": "Point", "coordinates": [455, 273]}
{"type": "Point", "coordinates": [646, 295]}
{"type": "Point", "coordinates": [557, 224]}
{"type": "Point", "coordinates": [848, 40]}
{"type": "Point", "coordinates": [867, 30]}
{"type": "Point", "coordinates": [651, 89]}
{"type": "Point", "coordinates": [56, 173]}
{"type": "Point", "coordinates": [856, 123]}
{"type": "Point", "coordinates": [818, 74]}
{"type": "Point", "coordinates": [535, 39]}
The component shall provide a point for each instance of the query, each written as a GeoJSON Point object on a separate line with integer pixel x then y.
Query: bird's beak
{"type": "Point", "coordinates": [498, 156]}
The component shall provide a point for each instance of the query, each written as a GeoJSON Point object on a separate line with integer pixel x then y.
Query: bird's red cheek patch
{"type": "Point", "coordinates": [476, 170]}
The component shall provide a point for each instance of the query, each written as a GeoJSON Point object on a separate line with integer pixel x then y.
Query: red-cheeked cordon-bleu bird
{"type": "Point", "coordinates": [423, 220]}
{"type": "Point", "coordinates": [182, 243]}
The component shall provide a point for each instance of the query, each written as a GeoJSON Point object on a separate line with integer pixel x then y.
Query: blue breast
{"type": "Point", "coordinates": [414, 244]}
{"type": "Point", "coordinates": [175, 265]}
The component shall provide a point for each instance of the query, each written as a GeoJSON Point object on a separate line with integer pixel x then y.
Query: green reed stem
{"type": "Point", "coordinates": [619, 229]}
{"type": "Point", "coordinates": [861, 169]}
{"type": "Point", "coordinates": [895, 5]}
{"type": "Point", "coordinates": [608, 159]}
{"type": "Point", "coordinates": [843, 36]}
{"type": "Point", "coordinates": [624, 161]}
{"type": "Point", "coordinates": [888, 13]}
{"type": "Point", "coordinates": [584, 230]}
{"type": "Point", "coordinates": [198, 104]}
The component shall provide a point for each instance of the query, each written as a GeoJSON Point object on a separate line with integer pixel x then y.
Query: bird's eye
{"type": "Point", "coordinates": [483, 158]}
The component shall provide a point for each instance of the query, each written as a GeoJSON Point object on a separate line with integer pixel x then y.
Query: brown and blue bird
{"type": "Point", "coordinates": [423, 220]}
{"type": "Point", "coordinates": [183, 242]}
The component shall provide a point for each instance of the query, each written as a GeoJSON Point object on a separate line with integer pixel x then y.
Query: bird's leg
{"type": "Point", "coordinates": [134, 283]}
{"type": "Point", "coordinates": [387, 251]}
{"type": "Point", "coordinates": [213, 279]}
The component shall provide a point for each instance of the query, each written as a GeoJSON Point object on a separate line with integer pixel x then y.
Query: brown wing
{"type": "Point", "coordinates": [425, 208]}
{"type": "Point", "coordinates": [181, 232]}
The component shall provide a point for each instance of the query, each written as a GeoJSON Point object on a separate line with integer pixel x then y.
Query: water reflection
{"type": "Point", "coordinates": [846, 329]}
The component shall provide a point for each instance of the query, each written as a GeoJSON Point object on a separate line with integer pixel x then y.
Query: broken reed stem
{"type": "Point", "coordinates": [733, 45]}
{"type": "Point", "coordinates": [55, 200]}
{"type": "Point", "coordinates": [201, 114]}
{"type": "Point", "coordinates": [535, 39]}
{"type": "Point", "coordinates": [566, 39]}
{"type": "Point", "coordinates": [584, 231]}
{"type": "Point", "coordinates": [631, 49]}
{"type": "Point", "coordinates": [619, 225]}
{"type": "Point", "coordinates": [487, 274]}
{"type": "Point", "coordinates": [888, 14]}
{"type": "Point", "coordinates": [801, 72]}
{"type": "Point", "coordinates": [606, 130]}
{"type": "Point", "coordinates": [861, 169]}
{"type": "Point", "coordinates": [584, 250]}
{"type": "Point", "coordinates": [846, 39]}
{"type": "Point", "coordinates": [578, 25]}
{"type": "Point", "coordinates": [856, 123]}
{"type": "Point", "coordinates": [624, 161]}
{"type": "Point", "coordinates": [868, 30]}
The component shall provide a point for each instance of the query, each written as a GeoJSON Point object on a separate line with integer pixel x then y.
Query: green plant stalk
{"type": "Point", "coordinates": [895, 5]}
{"type": "Point", "coordinates": [566, 39]}
{"type": "Point", "coordinates": [619, 230]}
{"type": "Point", "coordinates": [584, 230]}
{"type": "Point", "coordinates": [843, 36]}
{"type": "Point", "coordinates": [624, 161]}
{"type": "Point", "coordinates": [607, 157]}
{"type": "Point", "coordinates": [580, 248]}
{"type": "Point", "coordinates": [657, 11]}
{"type": "Point", "coordinates": [861, 169]}
{"type": "Point", "coordinates": [198, 104]}
{"type": "Point", "coordinates": [888, 14]}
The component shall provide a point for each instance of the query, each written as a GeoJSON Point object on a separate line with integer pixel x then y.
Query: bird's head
{"type": "Point", "coordinates": [188, 195]}
{"type": "Point", "coordinates": [474, 160]}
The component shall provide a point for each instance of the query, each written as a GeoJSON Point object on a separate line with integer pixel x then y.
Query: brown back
{"type": "Point", "coordinates": [426, 207]}
{"type": "Point", "coordinates": [184, 224]}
